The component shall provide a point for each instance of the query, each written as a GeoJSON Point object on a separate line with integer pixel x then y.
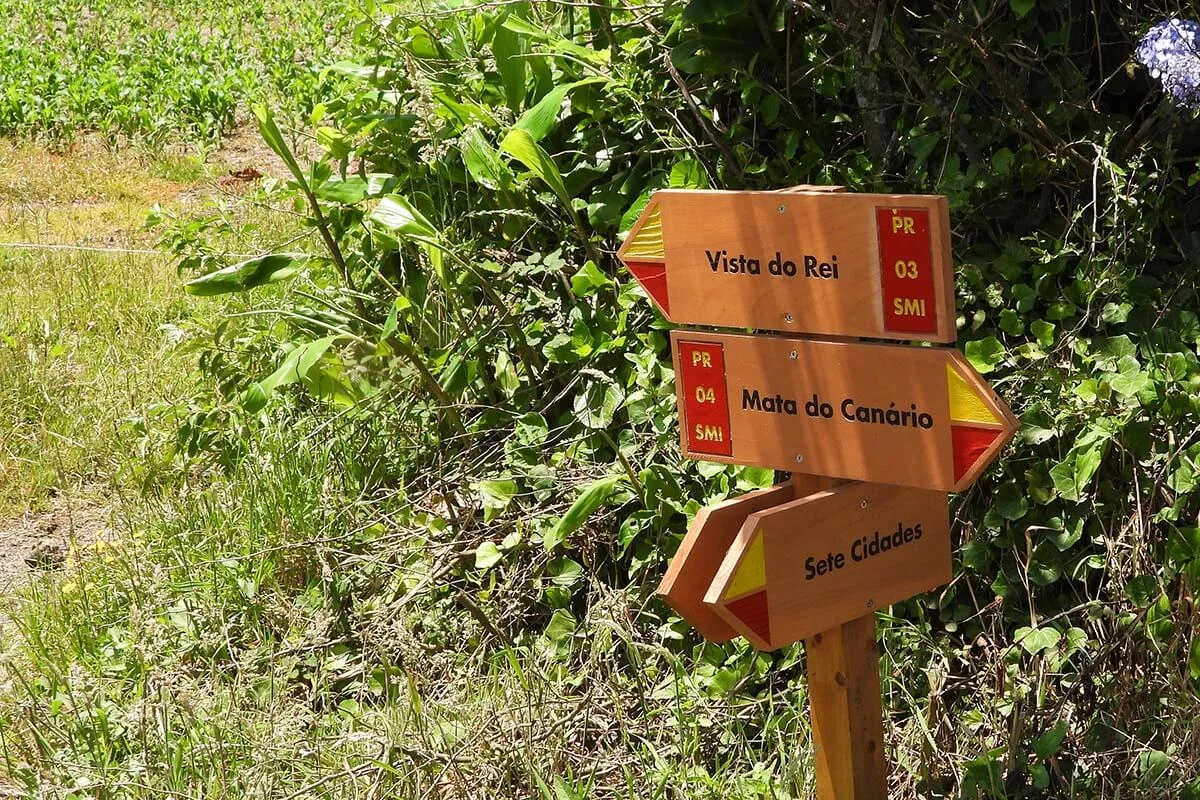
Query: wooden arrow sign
{"type": "Point", "coordinates": [702, 550]}
{"type": "Point", "coordinates": [819, 262]}
{"type": "Point", "coordinates": [822, 560]}
{"type": "Point", "coordinates": [914, 416]}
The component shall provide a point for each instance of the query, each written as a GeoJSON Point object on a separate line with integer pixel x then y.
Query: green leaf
{"type": "Point", "coordinates": [398, 217]}
{"type": "Point", "coordinates": [483, 161]}
{"type": "Point", "coordinates": [688, 174]}
{"type": "Point", "coordinates": [561, 626]}
{"type": "Point", "coordinates": [521, 146]}
{"type": "Point", "coordinates": [487, 555]}
{"type": "Point", "coordinates": [1011, 322]}
{"type": "Point", "coordinates": [294, 368]}
{"type": "Point", "coordinates": [495, 495]}
{"type": "Point", "coordinates": [1074, 473]}
{"type": "Point", "coordinates": [590, 499]}
{"type": "Point", "coordinates": [1022, 7]}
{"type": "Point", "coordinates": [274, 139]}
{"type": "Point", "coordinates": [1025, 295]}
{"type": "Point", "coordinates": [334, 142]}
{"type": "Point", "coordinates": [1035, 640]}
{"type": "Point", "coordinates": [756, 478]}
{"type": "Point", "coordinates": [563, 571]}
{"type": "Point", "coordinates": [347, 191]}
{"type": "Point", "coordinates": [539, 120]}
{"type": "Point", "coordinates": [508, 47]}
{"type": "Point", "coordinates": [588, 280]}
{"type": "Point", "coordinates": [1051, 741]}
{"type": "Point", "coordinates": [1043, 331]}
{"type": "Point", "coordinates": [984, 354]}
{"type": "Point", "coordinates": [1011, 502]}
{"type": "Point", "coordinates": [249, 274]}
{"type": "Point", "coordinates": [1116, 313]}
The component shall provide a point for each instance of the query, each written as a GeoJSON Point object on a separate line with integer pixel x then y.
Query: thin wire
{"type": "Point", "coordinates": [84, 248]}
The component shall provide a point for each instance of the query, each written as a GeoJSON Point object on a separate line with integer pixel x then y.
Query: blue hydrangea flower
{"type": "Point", "coordinates": [1171, 51]}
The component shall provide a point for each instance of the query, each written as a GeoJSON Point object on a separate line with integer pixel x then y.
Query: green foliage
{"type": "Point", "coordinates": [163, 71]}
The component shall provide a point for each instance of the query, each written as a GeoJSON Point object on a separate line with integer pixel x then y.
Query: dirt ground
{"type": "Point", "coordinates": [42, 541]}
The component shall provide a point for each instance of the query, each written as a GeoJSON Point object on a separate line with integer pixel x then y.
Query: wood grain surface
{"type": "Point", "coordinates": [884, 413]}
{"type": "Point", "coordinates": [807, 261]}
{"type": "Point", "coordinates": [826, 558]}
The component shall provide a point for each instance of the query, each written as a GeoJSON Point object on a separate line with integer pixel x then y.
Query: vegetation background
{"type": "Point", "coordinates": [396, 531]}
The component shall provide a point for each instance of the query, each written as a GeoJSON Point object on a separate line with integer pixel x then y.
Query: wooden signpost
{"type": "Point", "coordinates": [914, 416]}
{"type": "Point", "coordinates": [826, 558]}
{"type": "Point", "coordinates": [874, 434]}
{"type": "Point", "coordinates": [815, 262]}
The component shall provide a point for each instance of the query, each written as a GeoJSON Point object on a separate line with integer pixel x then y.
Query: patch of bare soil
{"type": "Point", "coordinates": [244, 152]}
{"type": "Point", "coordinates": [42, 541]}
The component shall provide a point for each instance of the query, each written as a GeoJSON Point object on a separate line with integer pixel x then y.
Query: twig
{"type": "Point", "coordinates": [721, 144]}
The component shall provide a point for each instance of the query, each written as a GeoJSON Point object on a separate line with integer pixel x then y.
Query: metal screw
{"type": "Point", "coordinates": [799, 458]}
{"type": "Point", "coordinates": [787, 318]}
{"type": "Point", "coordinates": [864, 504]}
{"type": "Point", "coordinates": [782, 208]}
{"type": "Point", "coordinates": [792, 355]}
{"type": "Point", "coordinates": [870, 604]}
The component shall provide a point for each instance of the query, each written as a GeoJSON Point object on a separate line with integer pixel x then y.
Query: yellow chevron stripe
{"type": "Point", "coordinates": [649, 240]}
{"type": "Point", "coordinates": [965, 404]}
{"type": "Point", "coordinates": [751, 573]}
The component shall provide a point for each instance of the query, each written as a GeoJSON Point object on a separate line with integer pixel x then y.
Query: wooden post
{"type": "Point", "coordinates": [847, 712]}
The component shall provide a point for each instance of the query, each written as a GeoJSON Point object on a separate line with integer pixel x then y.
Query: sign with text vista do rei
{"type": "Point", "coordinates": [913, 416]}
{"type": "Point", "coordinates": [814, 262]}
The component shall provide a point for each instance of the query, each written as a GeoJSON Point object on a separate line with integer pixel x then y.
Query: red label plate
{"type": "Point", "coordinates": [705, 399]}
{"type": "Point", "coordinates": [906, 270]}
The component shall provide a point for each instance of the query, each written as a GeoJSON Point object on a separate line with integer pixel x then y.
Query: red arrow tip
{"type": "Point", "coordinates": [653, 278]}
{"type": "Point", "coordinates": [969, 445]}
{"type": "Point", "coordinates": [752, 610]}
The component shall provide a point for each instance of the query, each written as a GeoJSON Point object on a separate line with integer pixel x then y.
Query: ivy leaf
{"type": "Point", "coordinates": [487, 555]}
{"type": "Point", "coordinates": [1011, 502]}
{"type": "Point", "coordinates": [1036, 640]}
{"type": "Point", "coordinates": [1051, 741]}
{"type": "Point", "coordinates": [495, 495]}
{"type": "Point", "coordinates": [984, 354]}
{"type": "Point", "coordinates": [561, 626]}
{"type": "Point", "coordinates": [1043, 331]}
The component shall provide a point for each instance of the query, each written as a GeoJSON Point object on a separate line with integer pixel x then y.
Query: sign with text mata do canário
{"type": "Point", "coordinates": [884, 413]}
{"type": "Point", "coordinates": [818, 262]}
{"type": "Point", "coordinates": [822, 560]}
